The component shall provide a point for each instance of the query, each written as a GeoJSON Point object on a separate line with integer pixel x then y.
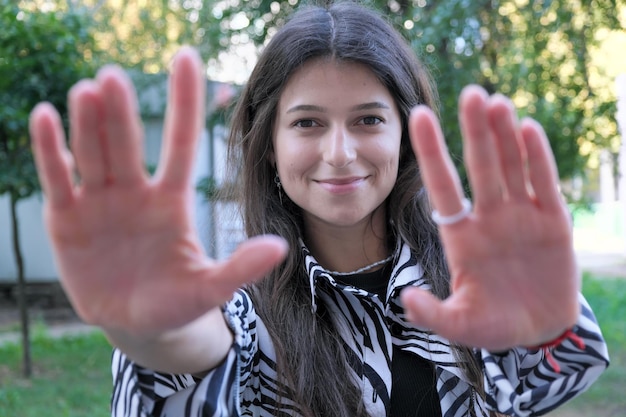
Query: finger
{"type": "Point", "coordinates": [86, 114]}
{"type": "Point", "coordinates": [479, 151]}
{"type": "Point", "coordinates": [52, 158]}
{"type": "Point", "coordinates": [542, 167]}
{"type": "Point", "coordinates": [183, 120]}
{"type": "Point", "coordinates": [503, 122]}
{"type": "Point", "coordinates": [436, 167]}
{"type": "Point", "coordinates": [252, 260]}
{"type": "Point", "coordinates": [123, 133]}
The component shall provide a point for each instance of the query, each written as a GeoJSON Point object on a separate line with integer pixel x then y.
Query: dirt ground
{"type": "Point", "coordinates": [47, 304]}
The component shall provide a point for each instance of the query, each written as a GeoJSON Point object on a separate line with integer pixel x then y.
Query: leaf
{"type": "Point", "coordinates": [42, 58]}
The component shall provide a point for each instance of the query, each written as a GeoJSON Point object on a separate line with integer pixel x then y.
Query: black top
{"type": "Point", "coordinates": [413, 387]}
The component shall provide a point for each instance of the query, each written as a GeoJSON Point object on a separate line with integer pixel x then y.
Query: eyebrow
{"type": "Point", "coordinates": [372, 105]}
{"type": "Point", "coordinates": [364, 106]}
{"type": "Point", "coordinates": [306, 107]}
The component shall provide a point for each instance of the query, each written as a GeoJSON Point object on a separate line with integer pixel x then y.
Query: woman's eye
{"type": "Point", "coordinates": [306, 123]}
{"type": "Point", "coordinates": [371, 120]}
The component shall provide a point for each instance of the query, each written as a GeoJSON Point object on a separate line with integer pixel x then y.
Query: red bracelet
{"type": "Point", "coordinates": [548, 346]}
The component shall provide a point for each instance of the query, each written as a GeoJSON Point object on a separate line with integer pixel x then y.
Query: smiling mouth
{"type": "Point", "coordinates": [341, 181]}
{"type": "Point", "coordinates": [341, 185]}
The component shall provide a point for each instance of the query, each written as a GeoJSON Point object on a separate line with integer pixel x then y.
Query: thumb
{"type": "Point", "coordinates": [252, 260]}
{"type": "Point", "coordinates": [422, 308]}
{"type": "Point", "coordinates": [449, 318]}
{"type": "Point", "coordinates": [257, 256]}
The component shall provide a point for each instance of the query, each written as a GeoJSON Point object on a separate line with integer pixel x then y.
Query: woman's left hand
{"type": "Point", "coordinates": [514, 278]}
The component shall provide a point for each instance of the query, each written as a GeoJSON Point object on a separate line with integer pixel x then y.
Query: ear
{"type": "Point", "coordinates": [271, 157]}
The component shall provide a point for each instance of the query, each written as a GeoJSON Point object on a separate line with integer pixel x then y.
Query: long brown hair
{"type": "Point", "coordinates": [308, 348]}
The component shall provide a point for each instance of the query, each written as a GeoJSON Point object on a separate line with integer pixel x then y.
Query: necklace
{"type": "Point", "coordinates": [365, 268]}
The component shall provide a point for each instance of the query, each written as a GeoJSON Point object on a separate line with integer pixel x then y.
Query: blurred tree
{"type": "Point", "coordinates": [536, 51]}
{"type": "Point", "coordinates": [541, 55]}
{"type": "Point", "coordinates": [41, 55]}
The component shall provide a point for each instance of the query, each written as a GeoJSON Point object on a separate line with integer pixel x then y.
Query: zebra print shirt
{"type": "Point", "coordinates": [519, 382]}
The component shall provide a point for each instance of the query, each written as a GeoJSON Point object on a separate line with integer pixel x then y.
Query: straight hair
{"type": "Point", "coordinates": [310, 358]}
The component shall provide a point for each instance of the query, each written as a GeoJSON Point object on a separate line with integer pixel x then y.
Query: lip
{"type": "Point", "coordinates": [341, 185]}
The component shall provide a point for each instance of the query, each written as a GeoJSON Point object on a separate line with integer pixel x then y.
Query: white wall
{"type": "Point", "coordinates": [620, 84]}
{"type": "Point", "coordinates": [607, 179]}
{"type": "Point", "coordinates": [36, 251]}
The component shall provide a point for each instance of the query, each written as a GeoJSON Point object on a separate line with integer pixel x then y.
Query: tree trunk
{"type": "Point", "coordinates": [21, 290]}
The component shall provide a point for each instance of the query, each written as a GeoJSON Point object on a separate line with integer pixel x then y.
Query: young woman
{"type": "Point", "coordinates": [342, 303]}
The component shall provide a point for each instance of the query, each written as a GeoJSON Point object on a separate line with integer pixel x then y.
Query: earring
{"type": "Point", "coordinates": [279, 186]}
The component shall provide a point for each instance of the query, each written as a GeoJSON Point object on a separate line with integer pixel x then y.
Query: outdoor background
{"type": "Point", "coordinates": [562, 62]}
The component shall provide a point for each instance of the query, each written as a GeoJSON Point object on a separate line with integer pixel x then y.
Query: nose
{"type": "Point", "coordinates": [339, 148]}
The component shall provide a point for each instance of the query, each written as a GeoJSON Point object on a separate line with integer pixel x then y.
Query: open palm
{"type": "Point", "coordinates": [124, 243]}
{"type": "Point", "coordinates": [513, 269]}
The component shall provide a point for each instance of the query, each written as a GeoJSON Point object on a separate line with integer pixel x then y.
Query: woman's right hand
{"type": "Point", "coordinates": [124, 243]}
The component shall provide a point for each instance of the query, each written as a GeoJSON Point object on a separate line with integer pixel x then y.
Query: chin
{"type": "Point", "coordinates": [348, 220]}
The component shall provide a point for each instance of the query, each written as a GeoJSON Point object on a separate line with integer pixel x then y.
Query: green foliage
{"type": "Point", "coordinates": [207, 187]}
{"type": "Point", "coordinates": [41, 56]}
{"type": "Point", "coordinates": [536, 52]}
{"type": "Point", "coordinates": [143, 37]}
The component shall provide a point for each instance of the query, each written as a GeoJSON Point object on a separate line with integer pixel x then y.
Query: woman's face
{"type": "Point", "coordinates": [336, 142]}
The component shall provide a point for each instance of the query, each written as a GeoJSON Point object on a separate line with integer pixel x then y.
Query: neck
{"type": "Point", "coordinates": [347, 249]}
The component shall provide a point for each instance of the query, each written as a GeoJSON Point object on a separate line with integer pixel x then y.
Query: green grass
{"type": "Point", "coordinates": [607, 297]}
{"type": "Point", "coordinates": [71, 378]}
